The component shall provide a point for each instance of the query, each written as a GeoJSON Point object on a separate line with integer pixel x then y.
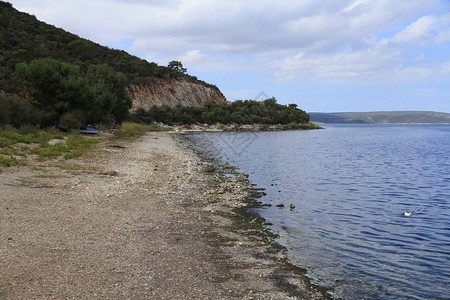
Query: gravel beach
{"type": "Point", "coordinates": [139, 220]}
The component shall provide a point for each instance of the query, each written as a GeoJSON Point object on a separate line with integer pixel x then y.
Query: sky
{"type": "Point", "coordinates": [324, 55]}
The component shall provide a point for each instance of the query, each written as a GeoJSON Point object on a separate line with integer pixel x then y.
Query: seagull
{"type": "Point", "coordinates": [408, 214]}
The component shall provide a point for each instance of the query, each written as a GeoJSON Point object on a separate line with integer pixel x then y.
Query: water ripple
{"type": "Point", "coordinates": [351, 185]}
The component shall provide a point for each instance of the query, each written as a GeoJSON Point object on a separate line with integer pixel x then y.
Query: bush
{"type": "Point", "coordinates": [74, 146]}
{"type": "Point", "coordinates": [28, 129]}
{"type": "Point", "coordinates": [134, 127]}
{"type": "Point", "coordinates": [16, 111]}
{"type": "Point", "coordinates": [78, 145]}
{"type": "Point", "coordinates": [71, 119]}
{"type": "Point", "coordinates": [8, 161]}
{"type": "Point", "coordinates": [5, 142]}
{"type": "Point", "coordinates": [14, 136]}
{"type": "Point", "coordinates": [49, 151]}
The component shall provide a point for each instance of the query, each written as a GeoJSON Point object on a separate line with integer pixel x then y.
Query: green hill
{"type": "Point", "coordinates": [72, 81]}
{"type": "Point", "coordinates": [383, 117]}
{"type": "Point", "coordinates": [23, 38]}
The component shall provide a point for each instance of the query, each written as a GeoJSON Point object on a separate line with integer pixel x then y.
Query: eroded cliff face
{"type": "Point", "coordinates": [172, 92]}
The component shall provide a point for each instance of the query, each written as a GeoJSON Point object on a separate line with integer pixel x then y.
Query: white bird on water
{"type": "Point", "coordinates": [408, 214]}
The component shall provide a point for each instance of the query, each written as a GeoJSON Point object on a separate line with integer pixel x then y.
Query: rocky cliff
{"type": "Point", "coordinates": [172, 92]}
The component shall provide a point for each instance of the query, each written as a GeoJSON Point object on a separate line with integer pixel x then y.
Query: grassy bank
{"type": "Point", "coordinates": [16, 146]}
{"type": "Point", "coordinates": [20, 146]}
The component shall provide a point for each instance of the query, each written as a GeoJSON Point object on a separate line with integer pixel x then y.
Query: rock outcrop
{"type": "Point", "coordinates": [172, 92]}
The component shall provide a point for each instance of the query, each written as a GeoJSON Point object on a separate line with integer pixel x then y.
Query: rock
{"type": "Point", "coordinates": [56, 141]}
{"type": "Point", "coordinates": [110, 173]}
{"type": "Point", "coordinates": [173, 91]}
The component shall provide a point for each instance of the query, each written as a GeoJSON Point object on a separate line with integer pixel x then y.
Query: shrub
{"type": "Point", "coordinates": [8, 161]}
{"type": "Point", "coordinates": [5, 142]}
{"type": "Point", "coordinates": [28, 129]}
{"type": "Point", "coordinates": [15, 111]}
{"type": "Point", "coordinates": [76, 145]}
{"type": "Point", "coordinates": [12, 135]}
{"type": "Point", "coordinates": [71, 119]}
{"type": "Point", "coordinates": [130, 130]}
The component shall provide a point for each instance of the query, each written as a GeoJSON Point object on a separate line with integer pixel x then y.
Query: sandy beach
{"type": "Point", "coordinates": [139, 221]}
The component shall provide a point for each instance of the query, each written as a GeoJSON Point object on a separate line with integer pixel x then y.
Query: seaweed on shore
{"type": "Point", "coordinates": [248, 222]}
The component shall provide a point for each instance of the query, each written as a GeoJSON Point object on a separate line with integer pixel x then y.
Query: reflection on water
{"type": "Point", "coordinates": [351, 185]}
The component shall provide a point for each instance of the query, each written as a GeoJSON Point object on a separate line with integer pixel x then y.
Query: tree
{"type": "Point", "coordinates": [61, 92]}
{"type": "Point", "coordinates": [56, 88]}
{"type": "Point", "coordinates": [177, 66]}
{"type": "Point", "coordinates": [111, 101]}
{"type": "Point", "coordinates": [270, 102]}
{"type": "Point", "coordinates": [16, 111]}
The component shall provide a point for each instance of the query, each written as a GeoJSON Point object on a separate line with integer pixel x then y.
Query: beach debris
{"type": "Point", "coordinates": [42, 186]}
{"type": "Point", "coordinates": [117, 146]}
{"type": "Point", "coordinates": [109, 173]}
{"type": "Point", "coordinates": [292, 206]}
{"type": "Point", "coordinates": [280, 205]}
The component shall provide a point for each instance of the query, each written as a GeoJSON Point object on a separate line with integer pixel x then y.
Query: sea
{"type": "Point", "coordinates": [364, 208]}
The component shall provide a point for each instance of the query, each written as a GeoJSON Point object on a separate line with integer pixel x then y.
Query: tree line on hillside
{"type": "Point", "coordinates": [23, 38]}
{"type": "Point", "coordinates": [59, 92]}
{"type": "Point", "coordinates": [238, 112]}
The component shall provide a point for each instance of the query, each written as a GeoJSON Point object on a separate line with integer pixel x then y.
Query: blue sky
{"type": "Point", "coordinates": [326, 56]}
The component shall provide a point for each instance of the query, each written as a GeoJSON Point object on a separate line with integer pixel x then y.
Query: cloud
{"type": "Point", "coordinates": [393, 59]}
{"type": "Point", "coordinates": [243, 26]}
{"type": "Point", "coordinates": [344, 66]}
{"type": "Point", "coordinates": [419, 31]}
{"type": "Point", "coordinates": [429, 28]}
{"type": "Point", "coordinates": [296, 40]}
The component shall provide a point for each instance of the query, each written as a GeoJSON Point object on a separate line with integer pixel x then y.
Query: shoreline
{"type": "Point", "coordinates": [253, 221]}
{"type": "Point", "coordinates": [239, 128]}
{"type": "Point", "coordinates": [146, 220]}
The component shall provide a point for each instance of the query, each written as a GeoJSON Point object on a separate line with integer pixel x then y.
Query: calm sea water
{"type": "Point", "coordinates": [351, 185]}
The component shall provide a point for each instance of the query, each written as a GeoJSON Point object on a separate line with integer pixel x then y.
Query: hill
{"type": "Point", "coordinates": [72, 81]}
{"type": "Point", "coordinates": [23, 38]}
{"type": "Point", "coordinates": [383, 117]}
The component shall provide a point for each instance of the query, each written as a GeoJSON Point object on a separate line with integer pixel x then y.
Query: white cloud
{"type": "Point", "coordinates": [354, 6]}
{"type": "Point", "coordinates": [339, 39]}
{"type": "Point", "coordinates": [338, 67]}
{"type": "Point", "coordinates": [255, 26]}
{"type": "Point", "coordinates": [192, 56]}
{"type": "Point", "coordinates": [418, 32]}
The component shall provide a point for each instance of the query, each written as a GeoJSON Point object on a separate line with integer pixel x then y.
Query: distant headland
{"type": "Point", "coordinates": [383, 117]}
